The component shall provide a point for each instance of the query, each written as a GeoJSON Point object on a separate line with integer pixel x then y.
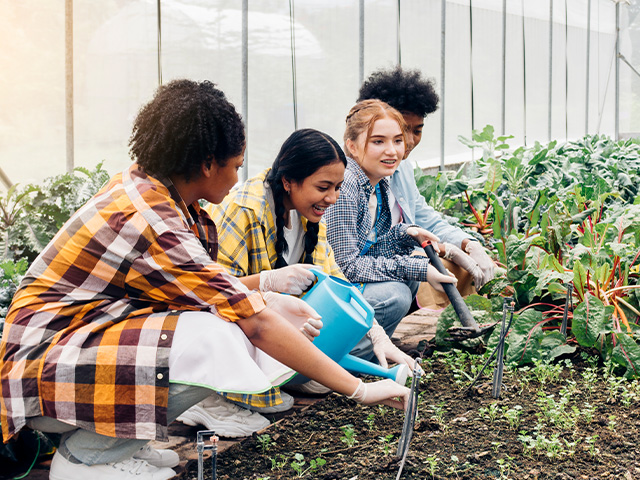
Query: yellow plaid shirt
{"type": "Point", "coordinates": [88, 334]}
{"type": "Point", "coordinates": [246, 246]}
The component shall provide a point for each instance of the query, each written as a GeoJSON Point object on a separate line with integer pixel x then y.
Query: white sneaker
{"type": "Point", "coordinates": [287, 403]}
{"type": "Point", "coordinates": [312, 387]}
{"type": "Point", "coordinates": [158, 457]}
{"type": "Point", "coordinates": [223, 417]}
{"type": "Point", "coordinates": [63, 469]}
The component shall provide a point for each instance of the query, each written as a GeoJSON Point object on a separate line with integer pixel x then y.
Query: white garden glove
{"type": "Point", "coordinates": [292, 279]}
{"type": "Point", "coordinates": [297, 311]}
{"type": "Point", "coordinates": [457, 256]}
{"type": "Point", "coordinates": [385, 391]}
{"type": "Point", "coordinates": [421, 235]}
{"type": "Point", "coordinates": [436, 279]}
{"type": "Point", "coordinates": [488, 266]}
{"type": "Point", "coordinates": [384, 349]}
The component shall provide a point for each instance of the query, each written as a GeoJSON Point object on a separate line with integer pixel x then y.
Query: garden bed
{"type": "Point", "coordinates": [569, 420]}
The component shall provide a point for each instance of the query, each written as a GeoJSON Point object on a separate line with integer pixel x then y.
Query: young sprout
{"type": "Point", "coordinates": [264, 442]}
{"type": "Point", "coordinates": [432, 462]}
{"type": "Point", "coordinates": [386, 443]}
{"type": "Point", "coordinates": [370, 420]}
{"type": "Point", "coordinates": [348, 435]}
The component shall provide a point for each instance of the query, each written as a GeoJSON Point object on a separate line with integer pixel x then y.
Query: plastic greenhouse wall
{"type": "Point", "coordinates": [115, 67]}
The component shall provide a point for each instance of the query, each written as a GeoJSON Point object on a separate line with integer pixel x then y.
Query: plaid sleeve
{"type": "Point", "coordinates": [177, 271]}
{"type": "Point", "coordinates": [347, 238]}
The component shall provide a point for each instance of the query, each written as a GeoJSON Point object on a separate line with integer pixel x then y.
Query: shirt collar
{"type": "Point", "coordinates": [363, 180]}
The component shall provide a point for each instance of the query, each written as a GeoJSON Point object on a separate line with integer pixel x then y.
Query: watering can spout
{"type": "Point", "coordinates": [398, 374]}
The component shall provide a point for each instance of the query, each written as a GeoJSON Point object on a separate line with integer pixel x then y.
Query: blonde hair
{"type": "Point", "coordinates": [363, 115]}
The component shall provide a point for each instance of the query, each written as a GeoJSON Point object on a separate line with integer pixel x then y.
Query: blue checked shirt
{"type": "Point", "coordinates": [349, 224]}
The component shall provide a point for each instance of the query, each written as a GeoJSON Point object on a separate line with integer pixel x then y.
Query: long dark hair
{"type": "Point", "coordinates": [301, 155]}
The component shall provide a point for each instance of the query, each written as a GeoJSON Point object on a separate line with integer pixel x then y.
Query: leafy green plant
{"type": "Point", "coordinates": [348, 435]}
{"type": "Point", "coordinates": [386, 443]}
{"type": "Point", "coordinates": [32, 215]}
{"type": "Point", "coordinates": [264, 442]}
{"type": "Point", "coordinates": [299, 462]}
{"type": "Point", "coordinates": [432, 462]}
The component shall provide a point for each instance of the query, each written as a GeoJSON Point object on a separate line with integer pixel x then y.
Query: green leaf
{"type": "Point", "coordinates": [591, 319]}
{"type": "Point", "coordinates": [627, 353]}
{"type": "Point", "coordinates": [579, 278]}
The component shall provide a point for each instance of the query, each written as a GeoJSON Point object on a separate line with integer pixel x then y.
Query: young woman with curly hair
{"type": "Point", "coordinates": [415, 98]}
{"type": "Point", "coordinates": [125, 319]}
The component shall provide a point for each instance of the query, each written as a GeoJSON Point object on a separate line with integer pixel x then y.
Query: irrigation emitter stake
{"type": "Point", "coordinates": [507, 306]}
{"type": "Point", "coordinates": [201, 447]}
{"type": "Point", "coordinates": [565, 315]}
{"type": "Point", "coordinates": [500, 340]}
{"type": "Point", "coordinates": [409, 417]}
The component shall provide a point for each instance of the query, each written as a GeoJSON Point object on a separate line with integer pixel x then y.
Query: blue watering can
{"type": "Point", "coordinates": [346, 318]}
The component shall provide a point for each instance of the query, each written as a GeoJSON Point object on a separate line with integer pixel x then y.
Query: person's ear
{"type": "Point", "coordinates": [209, 170]}
{"type": "Point", "coordinates": [286, 184]}
{"type": "Point", "coordinates": [351, 148]}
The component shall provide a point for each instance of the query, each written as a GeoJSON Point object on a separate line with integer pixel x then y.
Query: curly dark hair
{"type": "Point", "coordinates": [185, 125]}
{"type": "Point", "coordinates": [404, 90]}
{"type": "Point", "coordinates": [301, 155]}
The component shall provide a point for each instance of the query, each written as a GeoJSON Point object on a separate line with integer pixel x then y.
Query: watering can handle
{"type": "Point", "coordinates": [321, 274]}
{"type": "Point", "coordinates": [359, 299]}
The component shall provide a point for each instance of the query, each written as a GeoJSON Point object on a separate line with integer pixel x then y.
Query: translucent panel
{"type": "Point", "coordinates": [116, 70]}
{"type": "Point", "coordinates": [32, 98]}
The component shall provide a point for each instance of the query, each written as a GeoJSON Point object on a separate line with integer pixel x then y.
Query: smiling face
{"type": "Point", "coordinates": [314, 194]}
{"type": "Point", "coordinates": [380, 155]}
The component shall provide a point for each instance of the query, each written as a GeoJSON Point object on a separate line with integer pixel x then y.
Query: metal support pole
{"type": "Point", "coordinates": [586, 99]}
{"type": "Point", "coordinates": [245, 82]}
{"type": "Point", "coordinates": [550, 65]}
{"type": "Point", "coordinates": [443, 30]}
{"type": "Point", "coordinates": [617, 101]}
{"type": "Point", "coordinates": [399, 54]}
{"type": "Point", "coordinates": [159, 42]}
{"type": "Point", "coordinates": [504, 66]}
{"type": "Point", "coordinates": [361, 42]}
{"type": "Point", "coordinates": [68, 70]}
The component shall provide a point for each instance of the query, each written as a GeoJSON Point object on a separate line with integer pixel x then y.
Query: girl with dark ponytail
{"type": "Point", "coordinates": [271, 233]}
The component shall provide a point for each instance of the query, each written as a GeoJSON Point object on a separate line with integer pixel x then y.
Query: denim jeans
{"type": "Point", "coordinates": [91, 448]}
{"type": "Point", "coordinates": [391, 302]}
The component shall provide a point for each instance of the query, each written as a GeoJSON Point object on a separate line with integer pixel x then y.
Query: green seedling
{"type": "Point", "coordinates": [611, 424]}
{"type": "Point", "coordinates": [591, 441]}
{"type": "Point", "coordinates": [370, 420]}
{"type": "Point", "coordinates": [278, 462]}
{"type": "Point", "coordinates": [489, 413]}
{"type": "Point", "coordinates": [386, 443]}
{"type": "Point", "coordinates": [264, 442]}
{"type": "Point", "coordinates": [513, 416]}
{"type": "Point", "coordinates": [505, 467]}
{"type": "Point", "coordinates": [348, 435]}
{"type": "Point", "coordinates": [298, 464]}
{"type": "Point", "coordinates": [432, 463]}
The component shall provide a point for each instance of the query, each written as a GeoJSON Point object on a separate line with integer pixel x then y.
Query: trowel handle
{"type": "Point", "coordinates": [450, 289]}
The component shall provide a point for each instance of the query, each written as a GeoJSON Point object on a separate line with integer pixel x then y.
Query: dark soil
{"type": "Point", "coordinates": [575, 426]}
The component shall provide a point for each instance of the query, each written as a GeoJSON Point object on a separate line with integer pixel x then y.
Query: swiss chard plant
{"type": "Point", "coordinates": [557, 216]}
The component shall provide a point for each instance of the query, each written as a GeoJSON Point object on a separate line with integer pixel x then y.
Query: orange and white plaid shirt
{"type": "Point", "coordinates": [87, 337]}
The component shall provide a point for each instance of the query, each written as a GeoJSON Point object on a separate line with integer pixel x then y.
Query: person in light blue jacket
{"type": "Point", "coordinates": [415, 97]}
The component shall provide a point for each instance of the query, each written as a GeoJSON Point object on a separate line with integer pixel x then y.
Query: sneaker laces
{"type": "Point", "coordinates": [133, 465]}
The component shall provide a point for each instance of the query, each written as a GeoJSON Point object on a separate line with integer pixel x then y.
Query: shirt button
{"type": "Point", "coordinates": [160, 376]}
{"type": "Point", "coordinates": [163, 336]}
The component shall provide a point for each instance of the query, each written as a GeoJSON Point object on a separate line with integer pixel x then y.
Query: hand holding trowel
{"type": "Point", "coordinates": [447, 283]}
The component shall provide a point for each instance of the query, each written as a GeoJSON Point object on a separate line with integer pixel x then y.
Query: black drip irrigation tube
{"type": "Point", "coordinates": [507, 306]}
